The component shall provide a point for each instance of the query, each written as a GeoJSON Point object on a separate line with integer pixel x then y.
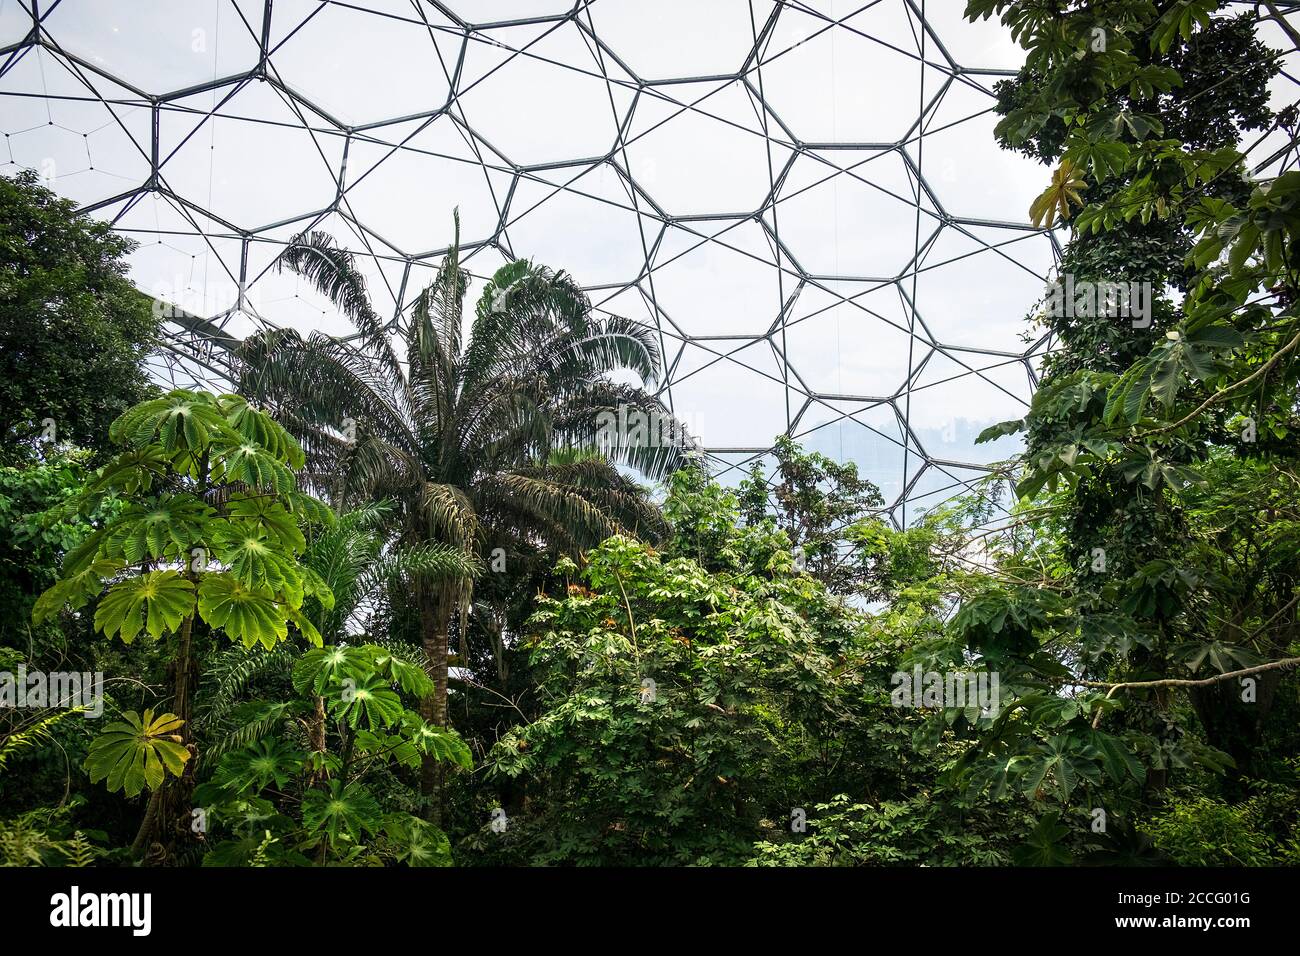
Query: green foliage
{"type": "Point", "coordinates": [74, 332]}
{"type": "Point", "coordinates": [415, 842]}
{"type": "Point", "coordinates": [813, 500]}
{"type": "Point", "coordinates": [35, 732]}
{"type": "Point", "coordinates": [1205, 831]}
{"type": "Point", "coordinates": [156, 601]}
{"type": "Point", "coordinates": [679, 687]}
{"type": "Point", "coordinates": [673, 698]}
{"type": "Point", "coordinates": [1043, 847]}
{"type": "Point", "coordinates": [207, 488]}
{"type": "Point", "coordinates": [920, 831]}
{"type": "Point", "coordinates": [35, 533]}
{"type": "Point", "coordinates": [369, 702]}
{"type": "Point", "coordinates": [1056, 201]}
{"type": "Point", "coordinates": [248, 615]}
{"type": "Point", "coordinates": [1148, 509]}
{"type": "Point", "coordinates": [42, 837]}
{"type": "Point", "coordinates": [489, 437]}
{"type": "Point", "coordinates": [262, 764]}
{"type": "Point", "coordinates": [268, 798]}
{"type": "Point", "coordinates": [341, 814]}
{"type": "Point", "coordinates": [137, 752]}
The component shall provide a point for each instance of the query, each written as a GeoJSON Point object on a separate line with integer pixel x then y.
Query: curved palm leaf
{"type": "Point", "coordinates": [333, 271]}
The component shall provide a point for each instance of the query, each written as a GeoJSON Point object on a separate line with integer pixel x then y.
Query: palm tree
{"type": "Point", "coordinates": [352, 558]}
{"type": "Point", "coordinates": [493, 438]}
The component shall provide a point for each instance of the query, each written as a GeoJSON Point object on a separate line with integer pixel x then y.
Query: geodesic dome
{"type": "Point", "coordinates": [805, 199]}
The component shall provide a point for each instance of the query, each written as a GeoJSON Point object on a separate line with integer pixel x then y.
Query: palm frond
{"type": "Point", "coordinates": [374, 468]}
{"type": "Point", "coordinates": [322, 382]}
{"type": "Point", "coordinates": [503, 420]}
{"type": "Point", "coordinates": [594, 477]}
{"type": "Point", "coordinates": [614, 343]}
{"type": "Point", "coordinates": [343, 557]}
{"type": "Point", "coordinates": [231, 672]}
{"type": "Point", "coordinates": [448, 512]}
{"type": "Point", "coordinates": [333, 271]}
{"type": "Point", "coordinates": [583, 417]}
{"type": "Point", "coordinates": [490, 438]}
{"type": "Point", "coordinates": [434, 340]}
{"type": "Point", "coordinates": [424, 564]}
{"type": "Point", "coordinates": [257, 720]}
{"type": "Point", "coordinates": [569, 515]}
{"type": "Point", "coordinates": [522, 309]}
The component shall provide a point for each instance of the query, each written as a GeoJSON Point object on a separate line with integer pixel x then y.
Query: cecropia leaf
{"type": "Point", "coordinates": [156, 602]}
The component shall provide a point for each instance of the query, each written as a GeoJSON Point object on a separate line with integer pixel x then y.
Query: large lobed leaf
{"type": "Point", "coordinates": [248, 615]}
{"type": "Point", "coordinates": [137, 752]}
{"type": "Point", "coordinates": [156, 602]}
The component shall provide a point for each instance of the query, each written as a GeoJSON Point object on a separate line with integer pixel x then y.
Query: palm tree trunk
{"type": "Point", "coordinates": [435, 613]}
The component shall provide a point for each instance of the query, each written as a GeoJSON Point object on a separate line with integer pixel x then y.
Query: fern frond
{"type": "Point", "coordinates": [78, 851]}
{"type": "Point", "coordinates": [258, 725]}
{"type": "Point", "coordinates": [230, 673]}
{"type": "Point", "coordinates": [34, 734]}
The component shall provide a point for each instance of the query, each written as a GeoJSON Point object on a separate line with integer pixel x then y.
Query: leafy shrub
{"type": "Point", "coordinates": [923, 830]}
{"type": "Point", "coordinates": [1207, 831]}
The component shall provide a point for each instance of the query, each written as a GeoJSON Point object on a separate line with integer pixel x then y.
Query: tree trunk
{"type": "Point", "coordinates": [435, 613]}
{"type": "Point", "coordinates": [1234, 726]}
{"type": "Point", "coordinates": [168, 819]}
{"type": "Point", "coordinates": [316, 734]}
{"type": "Point", "coordinates": [316, 740]}
{"type": "Point", "coordinates": [499, 649]}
